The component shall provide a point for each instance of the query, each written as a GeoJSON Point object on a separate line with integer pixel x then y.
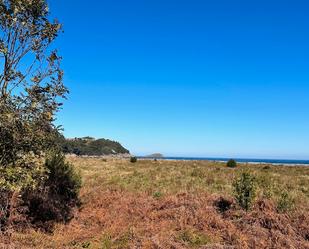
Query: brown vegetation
{"type": "Point", "coordinates": [169, 204]}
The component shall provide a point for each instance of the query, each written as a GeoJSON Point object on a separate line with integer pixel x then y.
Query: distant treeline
{"type": "Point", "coordinates": [89, 146]}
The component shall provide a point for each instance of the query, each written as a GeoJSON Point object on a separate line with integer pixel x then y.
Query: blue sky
{"type": "Point", "coordinates": [188, 78]}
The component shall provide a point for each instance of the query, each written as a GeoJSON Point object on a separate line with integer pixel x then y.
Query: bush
{"type": "Point", "coordinates": [14, 179]}
{"type": "Point", "coordinates": [62, 177]}
{"type": "Point", "coordinates": [285, 202]}
{"type": "Point", "coordinates": [133, 159]}
{"type": "Point", "coordinates": [54, 199]}
{"type": "Point", "coordinates": [157, 194]}
{"type": "Point", "coordinates": [245, 190]}
{"type": "Point", "coordinates": [266, 167]}
{"type": "Point", "coordinates": [231, 163]}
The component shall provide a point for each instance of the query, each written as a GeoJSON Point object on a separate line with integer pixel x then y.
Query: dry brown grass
{"type": "Point", "coordinates": [169, 204]}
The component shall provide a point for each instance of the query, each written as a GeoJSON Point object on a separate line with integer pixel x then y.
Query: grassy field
{"type": "Point", "coordinates": [176, 204]}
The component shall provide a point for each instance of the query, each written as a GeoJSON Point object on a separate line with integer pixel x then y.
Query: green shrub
{"type": "Point", "coordinates": [62, 176]}
{"type": "Point", "coordinates": [285, 202]}
{"type": "Point", "coordinates": [231, 163]}
{"type": "Point", "coordinates": [54, 199]}
{"type": "Point", "coordinates": [245, 190]}
{"type": "Point", "coordinates": [14, 179]}
{"type": "Point", "coordinates": [133, 159]}
{"type": "Point", "coordinates": [157, 194]}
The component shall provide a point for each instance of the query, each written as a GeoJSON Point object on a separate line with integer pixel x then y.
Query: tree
{"type": "Point", "coordinates": [31, 89]}
{"type": "Point", "coordinates": [31, 82]}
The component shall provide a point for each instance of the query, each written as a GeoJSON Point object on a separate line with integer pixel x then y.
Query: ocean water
{"type": "Point", "coordinates": [242, 160]}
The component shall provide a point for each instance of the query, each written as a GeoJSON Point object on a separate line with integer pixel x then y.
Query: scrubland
{"type": "Point", "coordinates": [178, 204]}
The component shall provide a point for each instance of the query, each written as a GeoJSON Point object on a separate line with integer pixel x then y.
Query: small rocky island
{"type": "Point", "coordinates": [156, 156]}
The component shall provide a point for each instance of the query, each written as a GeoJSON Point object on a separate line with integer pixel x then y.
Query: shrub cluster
{"type": "Point", "coordinates": [133, 159]}
{"type": "Point", "coordinates": [50, 199]}
{"type": "Point", "coordinates": [54, 199]}
{"type": "Point", "coordinates": [245, 190]}
{"type": "Point", "coordinates": [231, 163]}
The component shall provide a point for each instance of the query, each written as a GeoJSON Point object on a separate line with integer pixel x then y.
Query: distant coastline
{"type": "Point", "coordinates": [239, 160]}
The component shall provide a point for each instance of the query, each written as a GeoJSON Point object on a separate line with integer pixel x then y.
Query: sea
{"type": "Point", "coordinates": [241, 160]}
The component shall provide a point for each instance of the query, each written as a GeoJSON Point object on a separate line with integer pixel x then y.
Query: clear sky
{"type": "Point", "coordinates": [188, 78]}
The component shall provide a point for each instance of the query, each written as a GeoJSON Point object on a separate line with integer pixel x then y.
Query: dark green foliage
{"type": "Point", "coordinates": [157, 194]}
{"type": "Point", "coordinates": [91, 147]}
{"type": "Point", "coordinates": [133, 159]}
{"type": "Point", "coordinates": [62, 178]}
{"type": "Point", "coordinates": [231, 163]}
{"type": "Point", "coordinates": [54, 199]}
{"type": "Point", "coordinates": [223, 204]}
{"type": "Point", "coordinates": [245, 190]}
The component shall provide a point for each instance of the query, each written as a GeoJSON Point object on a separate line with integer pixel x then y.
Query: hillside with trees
{"type": "Point", "coordinates": [89, 146]}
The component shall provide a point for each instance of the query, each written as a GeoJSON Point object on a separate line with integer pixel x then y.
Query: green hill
{"type": "Point", "coordinates": [90, 146]}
